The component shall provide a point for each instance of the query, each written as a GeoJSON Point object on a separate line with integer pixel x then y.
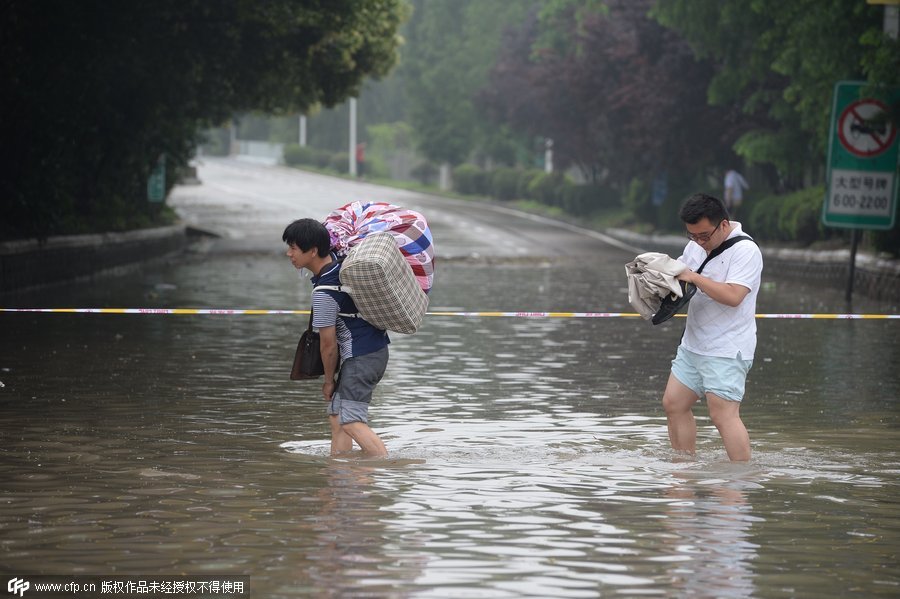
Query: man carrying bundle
{"type": "Point", "coordinates": [354, 352]}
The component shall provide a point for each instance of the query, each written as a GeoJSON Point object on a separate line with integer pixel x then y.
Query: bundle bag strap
{"type": "Point", "coordinates": [724, 246]}
{"type": "Point", "coordinates": [341, 289]}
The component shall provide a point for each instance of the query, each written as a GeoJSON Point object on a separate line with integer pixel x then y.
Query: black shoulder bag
{"type": "Point", "coordinates": [672, 304]}
{"type": "Point", "coordinates": [308, 359]}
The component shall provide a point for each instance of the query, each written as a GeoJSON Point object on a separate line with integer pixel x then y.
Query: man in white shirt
{"type": "Point", "coordinates": [716, 351]}
{"type": "Point", "coordinates": [735, 184]}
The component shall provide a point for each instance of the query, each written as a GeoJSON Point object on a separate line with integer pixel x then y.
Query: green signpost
{"type": "Point", "coordinates": [156, 183]}
{"type": "Point", "coordinates": [863, 151]}
{"type": "Point", "coordinates": [863, 172]}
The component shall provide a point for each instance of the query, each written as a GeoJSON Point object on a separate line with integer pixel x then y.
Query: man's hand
{"type": "Point", "coordinates": [729, 294]}
{"type": "Point", "coordinates": [329, 349]}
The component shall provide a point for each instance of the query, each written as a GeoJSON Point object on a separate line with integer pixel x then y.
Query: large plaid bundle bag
{"type": "Point", "coordinates": [389, 261]}
{"type": "Point", "coordinates": [350, 224]}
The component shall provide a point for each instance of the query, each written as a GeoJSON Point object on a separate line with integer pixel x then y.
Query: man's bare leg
{"type": "Point", "coordinates": [366, 438]}
{"type": "Point", "coordinates": [677, 402]}
{"type": "Point", "coordinates": [341, 442]}
{"type": "Point", "coordinates": [726, 415]}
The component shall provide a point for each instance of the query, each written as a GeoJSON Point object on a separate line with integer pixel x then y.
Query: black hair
{"type": "Point", "coordinates": [702, 205]}
{"type": "Point", "coordinates": [308, 233]}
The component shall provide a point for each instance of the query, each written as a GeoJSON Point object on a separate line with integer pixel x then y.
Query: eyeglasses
{"type": "Point", "coordinates": [703, 237]}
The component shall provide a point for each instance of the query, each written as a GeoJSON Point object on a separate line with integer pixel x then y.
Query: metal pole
{"type": "Point", "coordinates": [302, 133]}
{"type": "Point", "coordinates": [891, 24]}
{"type": "Point", "coordinates": [548, 155]}
{"type": "Point", "coordinates": [233, 139]}
{"type": "Point", "coordinates": [353, 137]}
{"type": "Point", "coordinates": [891, 20]}
{"type": "Point", "coordinates": [853, 247]}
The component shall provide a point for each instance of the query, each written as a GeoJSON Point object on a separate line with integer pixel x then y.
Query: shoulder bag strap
{"type": "Point", "coordinates": [309, 324]}
{"type": "Point", "coordinates": [724, 246]}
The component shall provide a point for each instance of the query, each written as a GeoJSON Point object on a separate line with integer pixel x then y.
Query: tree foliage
{"type": "Point", "coordinates": [778, 62]}
{"type": "Point", "coordinates": [95, 91]}
{"type": "Point", "coordinates": [620, 95]}
{"type": "Point", "coordinates": [451, 47]}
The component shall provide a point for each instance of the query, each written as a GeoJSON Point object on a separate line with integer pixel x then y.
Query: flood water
{"type": "Point", "coordinates": [528, 457]}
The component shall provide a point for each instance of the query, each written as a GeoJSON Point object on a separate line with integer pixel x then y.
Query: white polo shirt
{"type": "Point", "coordinates": [714, 329]}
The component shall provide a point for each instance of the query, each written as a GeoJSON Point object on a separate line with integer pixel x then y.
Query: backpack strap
{"type": "Point", "coordinates": [340, 289]}
{"type": "Point", "coordinates": [722, 247]}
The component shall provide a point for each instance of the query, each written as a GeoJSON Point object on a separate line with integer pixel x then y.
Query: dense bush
{"type": "Point", "coordinates": [215, 142]}
{"type": "Point", "coordinates": [322, 158]}
{"type": "Point", "coordinates": [469, 179]}
{"type": "Point", "coordinates": [886, 241]}
{"type": "Point", "coordinates": [791, 217]}
{"type": "Point", "coordinates": [582, 200]}
{"type": "Point", "coordinates": [425, 172]}
{"type": "Point", "coordinates": [525, 180]}
{"type": "Point", "coordinates": [295, 155]}
{"type": "Point", "coordinates": [546, 188]}
{"type": "Point", "coordinates": [340, 162]}
{"type": "Point", "coordinates": [639, 201]}
{"type": "Point", "coordinates": [801, 216]}
{"type": "Point", "coordinates": [505, 183]}
{"type": "Point", "coordinates": [551, 189]}
{"type": "Point", "coordinates": [762, 222]}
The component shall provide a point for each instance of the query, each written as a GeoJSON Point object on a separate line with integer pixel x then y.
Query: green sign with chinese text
{"type": "Point", "coordinates": [862, 169]}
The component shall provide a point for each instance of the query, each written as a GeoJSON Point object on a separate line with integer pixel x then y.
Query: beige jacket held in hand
{"type": "Point", "coordinates": [651, 277]}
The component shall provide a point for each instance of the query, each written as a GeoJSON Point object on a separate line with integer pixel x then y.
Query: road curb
{"type": "Point", "coordinates": [29, 264]}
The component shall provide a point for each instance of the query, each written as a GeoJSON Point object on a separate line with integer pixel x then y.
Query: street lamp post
{"type": "Point", "coordinates": [352, 137]}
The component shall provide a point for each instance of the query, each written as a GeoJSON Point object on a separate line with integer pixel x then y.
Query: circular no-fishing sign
{"type": "Point", "coordinates": [864, 130]}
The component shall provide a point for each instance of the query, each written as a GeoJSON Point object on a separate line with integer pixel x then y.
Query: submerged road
{"type": "Point", "coordinates": [529, 456]}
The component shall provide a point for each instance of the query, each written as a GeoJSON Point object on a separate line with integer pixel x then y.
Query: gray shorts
{"type": "Point", "coordinates": [357, 379]}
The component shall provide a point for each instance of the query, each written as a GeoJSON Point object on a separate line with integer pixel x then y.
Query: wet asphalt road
{"type": "Point", "coordinates": [249, 205]}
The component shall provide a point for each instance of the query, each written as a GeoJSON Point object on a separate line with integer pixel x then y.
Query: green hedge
{"type": "Point", "coordinates": [425, 172]}
{"type": "Point", "coordinates": [505, 183]}
{"type": "Point", "coordinates": [886, 241]}
{"type": "Point", "coordinates": [470, 180]}
{"type": "Point", "coordinates": [793, 217]}
{"type": "Point", "coordinates": [525, 179]}
{"type": "Point", "coordinates": [295, 155]}
{"type": "Point", "coordinates": [551, 189]}
{"type": "Point", "coordinates": [546, 188]}
{"type": "Point", "coordinates": [340, 162]}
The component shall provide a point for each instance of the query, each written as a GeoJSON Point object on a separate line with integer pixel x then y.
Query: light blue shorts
{"type": "Point", "coordinates": [724, 377]}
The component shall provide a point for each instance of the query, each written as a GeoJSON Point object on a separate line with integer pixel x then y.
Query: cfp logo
{"type": "Point", "coordinates": [17, 586]}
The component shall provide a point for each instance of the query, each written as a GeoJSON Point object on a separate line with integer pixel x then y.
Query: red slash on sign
{"type": "Point", "coordinates": [863, 129]}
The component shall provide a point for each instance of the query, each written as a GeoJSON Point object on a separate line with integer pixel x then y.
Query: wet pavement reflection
{"type": "Point", "coordinates": [528, 457]}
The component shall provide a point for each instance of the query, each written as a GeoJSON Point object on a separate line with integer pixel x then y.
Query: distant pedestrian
{"type": "Point", "coordinates": [360, 159]}
{"type": "Point", "coordinates": [354, 352]}
{"type": "Point", "coordinates": [719, 341]}
{"type": "Point", "coordinates": [735, 184]}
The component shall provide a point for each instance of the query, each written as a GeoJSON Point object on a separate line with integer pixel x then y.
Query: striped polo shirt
{"type": "Point", "coordinates": [355, 336]}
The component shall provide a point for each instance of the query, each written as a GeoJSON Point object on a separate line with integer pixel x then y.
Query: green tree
{"type": "Point", "coordinates": [778, 62]}
{"type": "Point", "coordinates": [95, 91]}
{"type": "Point", "coordinates": [620, 95]}
{"type": "Point", "coordinates": [452, 44]}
